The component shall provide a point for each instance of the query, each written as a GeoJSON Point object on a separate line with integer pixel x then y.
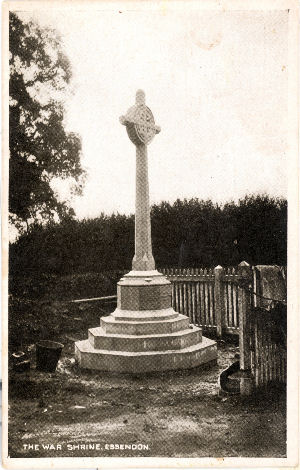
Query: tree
{"type": "Point", "coordinates": [40, 148]}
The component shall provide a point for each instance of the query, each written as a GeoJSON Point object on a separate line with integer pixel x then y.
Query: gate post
{"type": "Point", "coordinates": [244, 303]}
{"type": "Point", "coordinates": [219, 300]}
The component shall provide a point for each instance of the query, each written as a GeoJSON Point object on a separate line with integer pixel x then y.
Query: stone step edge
{"type": "Point", "coordinates": [99, 331]}
{"type": "Point", "coordinates": [144, 315]}
{"type": "Point", "coordinates": [85, 346]}
{"type": "Point", "coordinates": [113, 320]}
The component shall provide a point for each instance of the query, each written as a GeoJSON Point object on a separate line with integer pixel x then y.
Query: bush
{"type": "Point", "coordinates": [189, 233]}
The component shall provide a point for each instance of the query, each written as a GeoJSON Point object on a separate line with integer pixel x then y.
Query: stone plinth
{"type": "Point", "coordinates": [144, 333]}
{"type": "Point", "coordinates": [144, 290]}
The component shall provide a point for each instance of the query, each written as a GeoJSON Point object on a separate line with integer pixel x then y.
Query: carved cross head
{"type": "Point", "coordinates": [139, 121]}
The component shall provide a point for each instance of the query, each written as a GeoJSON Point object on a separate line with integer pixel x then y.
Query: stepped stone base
{"type": "Point", "coordinates": [144, 334]}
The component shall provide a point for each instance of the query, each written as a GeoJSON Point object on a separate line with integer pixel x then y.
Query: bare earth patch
{"type": "Point", "coordinates": [174, 414]}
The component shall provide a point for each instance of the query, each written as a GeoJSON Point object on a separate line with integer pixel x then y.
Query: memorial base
{"type": "Point", "coordinates": [144, 334]}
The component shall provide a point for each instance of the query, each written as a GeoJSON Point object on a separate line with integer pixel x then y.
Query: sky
{"type": "Point", "coordinates": [216, 83]}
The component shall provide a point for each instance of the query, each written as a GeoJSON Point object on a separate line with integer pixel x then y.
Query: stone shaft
{"type": "Point", "coordinates": [143, 259]}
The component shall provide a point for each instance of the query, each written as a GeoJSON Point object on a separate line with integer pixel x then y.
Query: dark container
{"type": "Point", "coordinates": [47, 355]}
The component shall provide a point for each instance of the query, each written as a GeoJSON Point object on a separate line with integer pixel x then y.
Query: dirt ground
{"type": "Point", "coordinates": [177, 414]}
{"type": "Point", "coordinates": [174, 414]}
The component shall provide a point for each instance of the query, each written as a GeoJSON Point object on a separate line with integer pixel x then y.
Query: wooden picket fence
{"type": "Point", "coordinates": [267, 348]}
{"type": "Point", "coordinates": [209, 297]}
{"type": "Point", "coordinates": [262, 337]}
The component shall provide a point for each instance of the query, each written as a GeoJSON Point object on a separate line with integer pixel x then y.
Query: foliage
{"type": "Point", "coordinates": [40, 148]}
{"type": "Point", "coordinates": [187, 233]}
{"type": "Point", "coordinates": [91, 245]}
{"type": "Point", "coordinates": [199, 233]}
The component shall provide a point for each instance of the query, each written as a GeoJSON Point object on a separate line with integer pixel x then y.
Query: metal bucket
{"type": "Point", "coordinates": [47, 355]}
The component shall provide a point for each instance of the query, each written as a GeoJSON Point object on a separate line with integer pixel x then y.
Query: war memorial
{"type": "Point", "coordinates": [144, 333]}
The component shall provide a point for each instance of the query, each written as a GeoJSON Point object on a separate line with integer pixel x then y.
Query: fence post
{"type": "Point", "coordinates": [219, 300]}
{"type": "Point", "coordinates": [257, 288]}
{"type": "Point", "coordinates": [244, 303]}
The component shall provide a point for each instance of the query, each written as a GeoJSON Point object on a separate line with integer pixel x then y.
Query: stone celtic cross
{"type": "Point", "coordinates": [141, 129]}
{"type": "Point", "coordinates": [144, 333]}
